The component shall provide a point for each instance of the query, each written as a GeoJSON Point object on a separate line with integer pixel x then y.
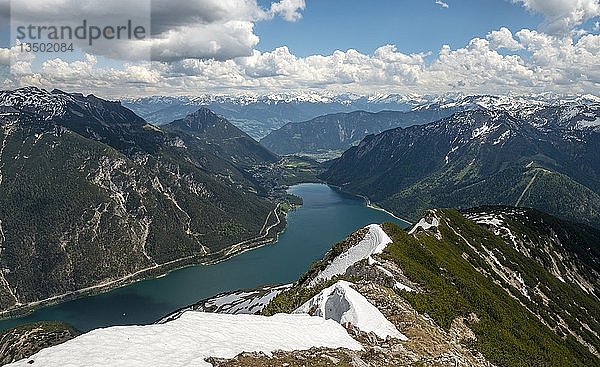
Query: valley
{"type": "Point", "coordinates": [294, 183]}
{"type": "Point", "coordinates": [183, 204]}
{"type": "Point", "coordinates": [259, 115]}
{"type": "Point", "coordinates": [98, 198]}
{"type": "Point", "coordinates": [326, 216]}
{"type": "Point", "coordinates": [456, 289]}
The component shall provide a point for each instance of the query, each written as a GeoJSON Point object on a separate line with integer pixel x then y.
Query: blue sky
{"type": "Point", "coordinates": [412, 25]}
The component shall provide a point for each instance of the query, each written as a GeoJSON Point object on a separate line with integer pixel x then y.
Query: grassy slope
{"type": "Point", "coordinates": [507, 334]}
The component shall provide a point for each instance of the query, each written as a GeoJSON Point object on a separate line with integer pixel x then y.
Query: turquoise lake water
{"type": "Point", "coordinates": [326, 217]}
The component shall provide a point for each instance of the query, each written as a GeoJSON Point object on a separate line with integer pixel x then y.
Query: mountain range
{"type": "Point", "coordinates": [259, 115]}
{"type": "Point", "coordinates": [484, 287]}
{"type": "Point", "coordinates": [543, 157]}
{"type": "Point", "coordinates": [83, 179]}
{"type": "Point", "coordinates": [92, 196]}
{"type": "Point", "coordinates": [331, 135]}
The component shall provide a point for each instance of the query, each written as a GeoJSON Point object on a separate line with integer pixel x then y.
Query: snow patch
{"type": "Point", "coordinates": [397, 284]}
{"type": "Point", "coordinates": [505, 135]}
{"type": "Point", "coordinates": [484, 130]}
{"type": "Point", "coordinates": [425, 224]}
{"type": "Point", "coordinates": [510, 276]}
{"type": "Point", "coordinates": [403, 287]}
{"type": "Point", "coordinates": [585, 124]}
{"type": "Point", "coordinates": [496, 223]}
{"type": "Point", "coordinates": [488, 219]}
{"type": "Point", "coordinates": [374, 242]}
{"type": "Point", "coordinates": [447, 158]}
{"type": "Point", "coordinates": [195, 336]}
{"type": "Point", "coordinates": [178, 143]}
{"type": "Point", "coordinates": [342, 303]}
{"type": "Point", "coordinates": [245, 302]}
{"type": "Point", "coordinates": [32, 99]}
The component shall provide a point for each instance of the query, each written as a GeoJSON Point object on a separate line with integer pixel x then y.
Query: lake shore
{"type": "Point", "coordinates": [304, 234]}
{"type": "Point", "coordinates": [370, 204]}
{"type": "Point", "coordinates": [160, 270]}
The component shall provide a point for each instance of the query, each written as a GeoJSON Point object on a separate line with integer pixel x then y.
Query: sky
{"type": "Point", "coordinates": [325, 46]}
{"type": "Point", "coordinates": [412, 25]}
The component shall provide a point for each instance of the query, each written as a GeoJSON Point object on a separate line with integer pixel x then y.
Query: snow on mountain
{"type": "Point", "coordinates": [524, 105]}
{"type": "Point", "coordinates": [193, 337]}
{"type": "Point", "coordinates": [584, 99]}
{"type": "Point", "coordinates": [305, 97]}
{"type": "Point", "coordinates": [234, 303]}
{"type": "Point", "coordinates": [585, 124]}
{"type": "Point", "coordinates": [541, 111]}
{"type": "Point", "coordinates": [560, 265]}
{"type": "Point", "coordinates": [486, 129]}
{"type": "Point", "coordinates": [579, 117]}
{"type": "Point", "coordinates": [349, 308]}
{"type": "Point", "coordinates": [261, 115]}
{"type": "Point", "coordinates": [36, 97]}
{"type": "Point", "coordinates": [374, 242]}
{"type": "Point", "coordinates": [496, 222]}
{"type": "Point", "coordinates": [39, 101]}
{"type": "Point", "coordinates": [425, 224]}
{"type": "Point", "coordinates": [242, 99]}
{"type": "Point", "coordinates": [244, 302]}
{"type": "Point", "coordinates": [347, 99]}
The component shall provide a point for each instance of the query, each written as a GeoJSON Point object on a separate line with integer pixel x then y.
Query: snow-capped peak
{"type": "Point", "coordinates": [35, 100]}
{"type": "Point", "coordinates": [579, 117]}
{"type": "Point", "coordinates": [240, 99]}
{"type": "Point", "coordinates": [523, 105]}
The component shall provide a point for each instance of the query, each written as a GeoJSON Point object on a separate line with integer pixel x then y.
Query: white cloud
{"type": "Point", "coordinates": [477, 68]}
{"type": "Point", "coordinates": [58, 69]}
{"type": "Point", "coordinates": [503, 38]}
{"type": "Point", "coordinates": [209, 46]}
{"type": "Point", "coordinates": [288, 9]}
{"type": "Point", "coordinates": [5, 55]}
{"type": "Point", "coordinates": [220, 41]}
{"type": "Point", "coordinates": [18, 62]}
{"type": "Point", "coordinates": [219, 29]}
{"type": "Point", "coordinates": [442, 4]}
{"type": "Point", "coordinates": [562, 16]}
{"type": "Point", "coordinates": [562, 60]}
{"type": "Point", "coordinates": [543, 63]}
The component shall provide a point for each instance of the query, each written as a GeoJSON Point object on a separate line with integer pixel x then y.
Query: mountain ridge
{"type": "Point", "coordinates": [92, 197]}
{"type": "Point", "coordinates": [259, 115]}
{"type": "Point", "coordinates": [473, 288]}
{"type": "Point", "coordinates": [479, 157]}
{"type": "Point", "coordinates": [338, 132]}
